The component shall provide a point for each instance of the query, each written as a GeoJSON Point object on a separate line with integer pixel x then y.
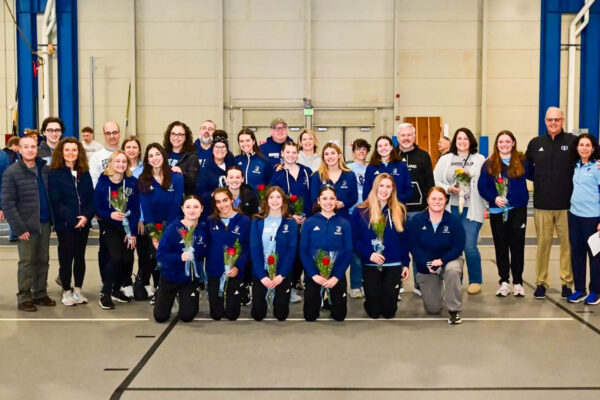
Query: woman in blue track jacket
{"type": "Point", "coordinates": [386, 159]}
{"type": "Point", "coordinates": [72, 200]}
{"type": "Point", "coordinates": [385, 261]}
{"type": "Point", "coordinates": [118, 243]}
{"type": "Point", "coordinates": [273, 243]}
{"type": "Point", "coordinates": [179, 266]}
{"type": "Point", "coordinates": [333, 171]}
{"type": "Point", "coordinates": [327, 240]}
{"type": "Point", "coordinates": [256, 167]}
{"type": "Point", "coordinates": [226, 227]}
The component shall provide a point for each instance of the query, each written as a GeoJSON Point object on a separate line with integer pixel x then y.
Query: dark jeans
{"type": "Point", "coordinates": [32, 275]}
{"type": "Point", "coordinates": [71, 256]}
{"type": "Point", "coordinates": [118, 258]}
{"type": "Point", "coordinates": [509, 243]}
{"type": "Point", "coordinates": [189, 299]}
{"type": "Point", "coordinates": [381, 290]}
{"type": "Point", "coordinates": [312, 300]}
{"type": "Point", "coordinates": [227, 306]}
{"type": "Point", "coordinates": [281, 300]}
{"type": "Point", "coordinates": [580, 229]}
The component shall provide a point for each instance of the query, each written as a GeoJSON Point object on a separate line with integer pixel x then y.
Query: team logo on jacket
{"type": "Point", "coordinates": [424, 228]}
{"type": "Point", "coordinates": [274, 155]}
{"type": "Point", "coordinates": [361, 179]}
{"type": "Point", "coordinates": [236, 230]}
{"type": "Point", "coordinates": [171, 188]}
{"type": "Point", "coordinates": [316, 228]}
{"type": "Point", "coordinates": [564, 148]}
{"type": "Point", "coordinates": [395, 171]}
{"type": "Point", "coordinates": [445, 229]}
{"type": "Point", "coordinates": [338, 230]}
{"type": "Point", "coordinates": [222, 181]}
{"type": "Point", "coordinates": [256, 170]}
{"type": "Point", "coordinates": [215, 228]}
{"type": "Point", "coordinates": [344, 185]}
{"type": "Point", "coordinates": [286, 229]}
{"type": "Point", "coordinates": [200, 240]}
{"type": "Point", "coordinates": [202, 162]}
{"type": "Point", "coordinates": [240, 163]}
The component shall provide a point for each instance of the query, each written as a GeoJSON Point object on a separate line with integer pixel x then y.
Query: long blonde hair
{"type": "Point", "coordinates": [109, 171]}
{"type": "Point", "coordinates": [397, 209]}
{"type": "Point", "coordinates": [322, 171]}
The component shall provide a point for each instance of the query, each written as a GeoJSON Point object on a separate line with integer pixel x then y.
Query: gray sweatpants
{"type": "Point", "coordinates": [32, 275]}
{"type": "Point", "coordinates": [432, 288]}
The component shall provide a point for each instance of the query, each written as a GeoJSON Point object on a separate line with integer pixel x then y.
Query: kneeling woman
{"type": "Point", "coordinates": [182, 246]}
{"type": "Point", "coordinates": [437, 240]}
{"type": "Point", "coordinates": [379, 238]}
{"type": "Point", "coordinates": [273, 243]}
{"type": "Point", "coordinates": [228, 252]}
{"type": "Point", "coordinates": [325, 250]}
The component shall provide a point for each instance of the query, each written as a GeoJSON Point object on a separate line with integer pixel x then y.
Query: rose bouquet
{"type": "Point", "coordinates": [262, 191]}
{"type": "Point", "coordinates": [502, 188]}
{"type": "Point", "coordinates": [118, 200]}
{"type": "Point", "coordinates": [297, 205]}
{"type": "Point", "coordinates": [230, 256]}
{"type": "Point", "coordinates": [187, 238]}
{"type": "Point", "coordinates": [272, 271]}
{"type": "Point", "coordinates": [379, 229]}
{"type": "Point", "coordinates": [155, 230]}
{"type": "Point", "coordinates": [325, 260]}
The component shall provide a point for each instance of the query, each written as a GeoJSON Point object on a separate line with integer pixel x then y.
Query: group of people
{"type": "Point", "coordinates": [247, 228]}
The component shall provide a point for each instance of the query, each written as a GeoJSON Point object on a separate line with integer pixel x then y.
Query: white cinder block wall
{"type": "Point", "coordinates": [243, 62]}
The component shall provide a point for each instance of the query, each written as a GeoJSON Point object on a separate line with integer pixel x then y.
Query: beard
{"type": "Point", "coordinates": [205, 140]}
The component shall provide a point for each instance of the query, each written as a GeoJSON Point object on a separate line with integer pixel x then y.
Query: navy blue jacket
{"type": "Point", "coordinates": [395, 243]}
{"type": "Point", "coordinates": [211, 177]}
{"type": "Point", "coordinates": [398, 171]}
{"type": "Point", "coordinates": [257, 169]}
{"type": "Point", "coordinates": [163, 206]}
{"type": "Point", "coordinates": [205, 154]}
{"type": "Point", "coordinates": [345, 188]}
{"type": "Point", "coordinates": [272, 150]}
{"type": "Point", "coordinates": [170, 249]}
{"type": "Point", "coordinates": [4, 164]}
{"type": "Point", "coordinates": [102, 193]}
{"type": "Point", "coordinates": [69, 200]}
{"type": "Point", "coordinates": [286, 241]}
{"type": "Point", "coordinates": [221, 237]}
{"type": "Point", "coordinates": [446, 243]}
{"type": "Point", "coordinates": [320, 233]}
{"type": "Point", "coordinates": [518, 195]}
{"type": "Point", "coordinates": [300, 187]}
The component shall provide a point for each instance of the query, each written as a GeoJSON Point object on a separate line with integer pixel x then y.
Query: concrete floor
{"type": "Point", "coordinates": [506, 347]}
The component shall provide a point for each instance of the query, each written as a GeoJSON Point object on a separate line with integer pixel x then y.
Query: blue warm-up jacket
{"type": "Point", "coordinates": [286, 243]}
{"type": "Point", "coordinates": [211, 177]}
{"type": "Point", "coordinates": [398, 171]}
{"type": "Point", "coordinates": [518, 195]}
{"type": "Point", "coordinates": [221, 237]}
{"type": "Point", "coordinates": [102, 193]}
{"type": "Point", "coordinates": [300, 187]}
{"type": "Point", "coordinates": [160, 205]}
{"type": "Point", "coordinates": [171, 247]}
{"type": "Point", "coordinates": [345, 188]}
{"type": "Point", "coordinates": [70, 197]}
{"type": "Point", "coordinates": [257, 169]}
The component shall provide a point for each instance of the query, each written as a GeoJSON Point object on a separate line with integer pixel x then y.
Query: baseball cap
{"type": "Point", "coordinates": [278, 121]}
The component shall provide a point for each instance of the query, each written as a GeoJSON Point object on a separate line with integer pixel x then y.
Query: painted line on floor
{"type": "Point", "coordinates": [361, 389]}
{"type": "Point", "coordinates": [396, 319]}
{"type": "Point", "coordinates": [74, 319]}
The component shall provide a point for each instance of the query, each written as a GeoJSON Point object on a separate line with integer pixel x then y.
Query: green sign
{"type": "Point", "coordinates": [308, 111]}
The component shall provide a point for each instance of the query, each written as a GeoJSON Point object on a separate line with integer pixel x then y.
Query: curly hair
{"type": "Point", "coordinates": [58, 159]}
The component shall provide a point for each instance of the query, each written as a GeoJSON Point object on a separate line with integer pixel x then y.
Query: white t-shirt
{"type": "Point", "coordinates": [98, 163]}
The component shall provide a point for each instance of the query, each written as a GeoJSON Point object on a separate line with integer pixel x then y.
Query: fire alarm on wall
{"type": "Point", "coordinates": [397, 118]}
{"type": "Point", "coordinates": [397, 95]}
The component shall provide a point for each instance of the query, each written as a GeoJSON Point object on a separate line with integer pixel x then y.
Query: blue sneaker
{"type": "Point", "coordinates": [592, 298]}
{"type": "Point", "coordinates": [540, 292]}
{"type": "Point", "coordinates": [576, 297]}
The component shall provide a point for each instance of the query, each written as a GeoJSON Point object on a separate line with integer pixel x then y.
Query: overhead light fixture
{"type": "Point", "coordinates": [294, 128]}
{"type": "Point", "coordinates": [365, 129]}
{"type": "Point", "coordinates": [253, 129]}
{"type": "Point", "coordinates": [322, 129]}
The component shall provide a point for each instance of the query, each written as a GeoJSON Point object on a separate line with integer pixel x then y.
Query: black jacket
{"type": "Point", "coordinates": [69, 200]}
{"type": "Point", "coordinates": [12, 156]}
{"type": "Point", "coordinates": [189, 165]}
{"type": "Point", "coordinates": [248, 202]}
{"type": "Point", "coordinates": [551, 162]}
{"type": "Point", "coordinates": [420, 168]}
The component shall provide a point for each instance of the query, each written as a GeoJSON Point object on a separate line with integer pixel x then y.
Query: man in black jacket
{"type": "Point", "coordinates": [553, 157]}
{"type": "Point", "coordinates": [27, 209]}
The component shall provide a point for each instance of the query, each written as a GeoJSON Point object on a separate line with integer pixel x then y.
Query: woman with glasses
{"type": "Point", "coordinates": [255, 166]}
{"type": "Point", "coordinates": [179, 145]}
{"type": "Point", "coordinates": [213, 173]}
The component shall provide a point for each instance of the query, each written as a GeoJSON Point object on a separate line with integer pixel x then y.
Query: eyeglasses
{"type": "Point", "coordinates": [114, 133]}
{"type": "Point", "coordinates": [553, 119]}
{"type": "Point", "coordinates": [279, 128]}
{"type": "Point", "coordinates": [54, 130]}
{"type": "Point", "coordinates": [220, 147]}
{"type": "Point", "coordinates": [179, 135]}
{"type": "Point", "coordinates": [203, 128]}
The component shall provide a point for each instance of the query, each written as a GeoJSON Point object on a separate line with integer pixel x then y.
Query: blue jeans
{"type": "Point", "coordinates": [471, 251]}
{"type": "Point", "coordinates": [355, 272]}
{"type": "Point", "coordinates": [580, 229]}
{"type": "Point", "coordinates": [409, 216]}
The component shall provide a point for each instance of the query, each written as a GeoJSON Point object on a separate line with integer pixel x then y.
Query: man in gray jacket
{"type": "Point", "coordinates": [27, 209]}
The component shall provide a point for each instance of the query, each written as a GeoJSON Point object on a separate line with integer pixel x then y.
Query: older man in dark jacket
{"type": "Point", "coordinates": [27, 210]}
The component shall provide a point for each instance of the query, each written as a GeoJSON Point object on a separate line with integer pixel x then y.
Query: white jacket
{"type": "Point", "coordinates": [476, 203]}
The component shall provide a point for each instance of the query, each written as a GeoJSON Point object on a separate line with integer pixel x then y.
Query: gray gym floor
{"type": "Point", "coordinates": [505, 347]}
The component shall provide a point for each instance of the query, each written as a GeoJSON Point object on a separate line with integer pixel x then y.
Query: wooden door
{"type": "Point", "coordinates": [428, 131]}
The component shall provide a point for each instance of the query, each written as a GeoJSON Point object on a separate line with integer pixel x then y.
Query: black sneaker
{"type": "Point", "coordinates": [106, 302]}
{"type": "Point", "coordinates": [566, 292]}
{"type": "Point", "coordinates": [454, 318]}
{"type": "Point", "coordinates": [540, 292]}
{"type": "Point", "coordinates": [120, 297]}
{"type": "Point", "coordinates": [245, 297]}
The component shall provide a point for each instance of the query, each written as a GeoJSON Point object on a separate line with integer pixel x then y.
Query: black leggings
{"type": "Point", "coordinates": [509, 244]}
{"type": "Point", "coordinates": [281, 300]}
{"type": "Point", "coordinates": [312, 300]}
{"type": "Point", "coordinates": [381, 290]}
{"type": "Point", "coordinates": [118, 258]}
{"type": "Point", "coordinates": [71, 256]}
{"type": "Point", "coordinates": [228, 307]}
{"type": "Point", "coordinates": [189, 297]}
{"type": "Point", "coordinates": [146, 260]}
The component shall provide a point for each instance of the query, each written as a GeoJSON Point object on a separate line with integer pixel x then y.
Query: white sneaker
{"type": "Point", "coordinates": [356, 293]}
{"type": "Point", "coordinates": [417, 292]}
{"type": "Point", "coordinates": [503, 290]}
{"type": "Point", "coordinates": [68, 299]}
{"type": "Point", "coordinates": [402, 289]}
{"type": "Point", "coordinates": [399, 296]}
{"type": "Point", "coordinates": [128, 291]}
{"type": "Point", "coordinates": [79, 298]}
{"type": "Point", "coordinates": [518, 290]}
{"type": "Point", "coordinates": [295, 297]}
{"type": "Point", "coordinates": [150, 290]}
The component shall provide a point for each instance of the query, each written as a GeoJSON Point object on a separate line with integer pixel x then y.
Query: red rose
{"type": "Point", "coordinates": [326, 261]}
{"type": "Point", "coordinates": [271, 260]}
{"type": "Point", "coordinates": [260, 187]}
{"type": "Point", "coordinates": [114, 194]}
{"type": "Point", "coordinates": [231, 251]}
{"type": "Point", "coordinates": [500, 180]}
{"type": "Point", "coordinates": [293, 198]}
{"type": "Point", "coordinates": [158, 226]}
{"type": "Point", "coordinates": [183, 233]}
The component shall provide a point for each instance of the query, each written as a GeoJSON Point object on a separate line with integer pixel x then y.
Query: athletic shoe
{"type": "Point", "coordinates": [540, 292]}
{"type": "Point", "coordinates": [401, 289]}
{"type": "Point", "coordinates": [153, 300]}
{"type": "Point", "coordinates": [295, 297]}
{"type": "Point", "coordinates": [120, 297]}
{"type": "Point", "coordinates": [356, 293]}
{"type": "Point", "coordinates": [106, 302]}
{"type": "Point", "coordinates": [577, 297]}
{"type": "Point", "coordinates": [299, 287]}
{"type": "Point", "coordinates": [417, 291]}
{"type": "Point", "coordinates": [518, 290]}
{"type": "Point", "coordinates": [592, 299]}
{"type": "Point", "coordinates": [44, 301]}
{"type": "Point", "coordinates": [566, 292]}
{"type": "Point", "coordinates": [149, 290]}
{"type": "Point", "coordinates": [474, 288]}
{"type": "Point", "coordinates": [128, 291]}
{"type": "Point", "coordinates": [503, 290]}
{"type": "Point", "coordinates": [68, 299]}
{"type": "Point", "coordinates": [79, 297]}
{"type": "Point", "coordinates": [454, 318]}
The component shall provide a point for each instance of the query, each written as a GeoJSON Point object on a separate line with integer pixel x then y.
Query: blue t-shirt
{"type": "Point", "coordinates": [268, 236]}
{"type": "Point", "coordinates": [174, 158]}
{"type": "Point", "coordinates": [585, 200]}
{"type": "Point", "coordinates": [359, 170]}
